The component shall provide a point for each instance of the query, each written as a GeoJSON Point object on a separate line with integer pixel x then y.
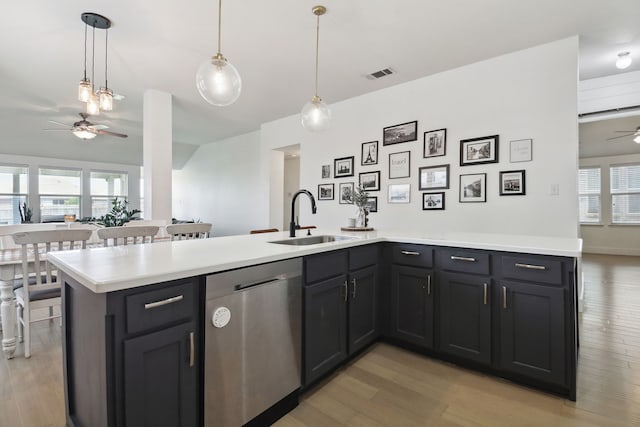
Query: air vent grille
{"type": "Point", "coordinates": [379, 74]}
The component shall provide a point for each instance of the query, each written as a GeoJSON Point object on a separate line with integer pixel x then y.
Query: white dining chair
{"type": "Point", "coordinates": [128, 235]}
{"type": "Point", "coordinates": [40, 283]}
{"type": "Point", "coordinates": [189, 231]}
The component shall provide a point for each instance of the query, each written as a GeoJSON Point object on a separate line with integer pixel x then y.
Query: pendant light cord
{"type": "Point", "coordinates": [219, 23]}
{"type": "Point", "coordinates": [317, 48]}
{"type": "Point", "coordinates": [93, 57]}
{"type": "Point", "coordinates": [106, 45]}
{"type": "Point", "coordinates": [85, 51]}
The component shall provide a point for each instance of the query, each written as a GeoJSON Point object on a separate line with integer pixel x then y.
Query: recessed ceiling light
{"type": "Point", "coordinates": [624, 60]}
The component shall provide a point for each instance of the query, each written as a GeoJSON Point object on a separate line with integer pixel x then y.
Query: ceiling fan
{"type": "Point", "coordinates": [634, 133]}
{"type": "Point", "coordinates": [84, 129]}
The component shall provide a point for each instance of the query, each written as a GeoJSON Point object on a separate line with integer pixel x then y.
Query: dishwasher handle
{"type": "Point", "coordinates": [243, 286]}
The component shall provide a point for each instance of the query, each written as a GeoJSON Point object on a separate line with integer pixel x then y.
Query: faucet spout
{"type": "Point", "coordinates": [292, 224]}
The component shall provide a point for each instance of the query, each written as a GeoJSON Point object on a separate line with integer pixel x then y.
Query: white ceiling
{"type": "Point", "coordinates": [160, 44]}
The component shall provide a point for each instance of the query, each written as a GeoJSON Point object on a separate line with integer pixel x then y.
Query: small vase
{"type": "Point", "coordinates": [360, 218]}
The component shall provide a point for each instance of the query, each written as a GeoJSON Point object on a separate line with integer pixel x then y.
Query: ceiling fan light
{"type": "Point", "coordinates": [624, 60]}
{"type": "Point", "coordinates": [316, 115]}
{"type": "Point", "coordinates": [84, 90]}
{"type": "Point", "coordinates": [106, 98]}
{"type": "Point", "coordinates": [93, 105]}
{"type": "Point", "coordinates": [84, 134]}
{"type": "Point", "coordinates": [218, 81]}
{"type": "Point", "coordinates": [637, 139]}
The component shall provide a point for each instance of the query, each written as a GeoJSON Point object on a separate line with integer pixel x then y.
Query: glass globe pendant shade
{"type": "Point", "coordinates": [84, 90]}
{"type": "Point", "coordinates": [218, 81]}
{"type": "Point", "coordinates": [316, 115]}
{"type": "Point", "coordinates": [93, 105]}
{"type": "Point", "coordinates": [106, 99]}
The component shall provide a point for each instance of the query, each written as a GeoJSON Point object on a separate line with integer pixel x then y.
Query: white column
{"type": "Point", "coordinates": [157, 154]}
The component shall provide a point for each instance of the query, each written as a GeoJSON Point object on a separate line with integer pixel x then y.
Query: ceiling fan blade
{"type": "Point", "coordinates": [106, 132]}
{"type": "Point", "coordinates": [621, 136]}
{"type": "Point", "coordinates": [58, 123]}
{"type": "Point", "coordinates": [64, 130]}
{"type": "Point", "coordinates": [99, 126]}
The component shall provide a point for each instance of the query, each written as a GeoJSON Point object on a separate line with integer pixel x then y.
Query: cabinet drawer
{"type": "Point", "coordinates": [464, 261]}
{"type": "Point", "coordinates": [532, 269]}
{"type": "Point", "coordinates": [155, 308]}
{"type": "Point", "coordinates": [324, 266]}
{"type": "Point", "coordinates": [363, 256]}
{"type": "Point", "coordinates": [416, 255]}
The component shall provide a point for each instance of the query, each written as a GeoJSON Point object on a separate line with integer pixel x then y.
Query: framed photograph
{"type": "Point", "coordinates": [343, 167]}
{"type": "Point", "coordinates": [399, 164]}
{"type": "Point", "coordinates": [512, 183]}
{"type": "Point", "coordinates": [396, 134]}
{"type": "Point", "coordinates": [326, 171]}
{"type": "Point", "coordinates": [435, 143]}
{"type": "Point", "coordinates": [520, 150]}
{"type": "Point", "coordinates": [473, 188]}
{"type": "Point", "coordinates": [370, 181]}
{"type": "Point", "coordinates": [369, 153]}
{"type": "Point", "coordinates": [345, 189]}
{"type": "Point", "coordinates": [433, 177]}
{"type": "Point", "coordinates": [372, 204]}
{"type": "Point", "coordinates": [433, 201]}
{"type": "Point", "coordinates": [399, 193]}
{"type": "Point", "coordinates": [325, 192]}
{"type": "Point", "coordinates": [479, 150]}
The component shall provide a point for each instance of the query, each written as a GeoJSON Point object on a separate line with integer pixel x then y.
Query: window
{"type": "Point", "coordinates": [13, 192]}
{"type": "Point", "coordinates": [60, 193]}
{"type": "Point", "coordinates": [625, 194]}
{"type": "Point", "coordinates": [105, 187]}
{"type": "Point", "coordinates": [589, 195]}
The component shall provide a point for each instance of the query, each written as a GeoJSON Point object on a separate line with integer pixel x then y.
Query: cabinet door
{"type": "Point", "coordinates": [161, 378]}
{"type": "Point", "coordinates": [412, 305]}
{"type": "Point", "coordinates": [465, 316]}
{"type": "Point", "coordinates": [325, 327]}
{"type": "Point", "coordinates": [363, 319]}
{"type": "Point", "coordinates": [532, 331]}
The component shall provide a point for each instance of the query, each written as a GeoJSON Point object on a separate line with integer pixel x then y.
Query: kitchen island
{"type": "Point", "coordinates": [507, 284]}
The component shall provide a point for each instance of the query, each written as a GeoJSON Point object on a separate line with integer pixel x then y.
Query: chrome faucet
{"type": "Point", "coordinates": [292, 224]}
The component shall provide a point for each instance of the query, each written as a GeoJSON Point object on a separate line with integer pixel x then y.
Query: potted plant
{"type": "Point", "coordinates": [25, 213]}
{"type": "Point", "coordinates": [119, 214]}
{"type": "Point", "coordinates": [359, 197]}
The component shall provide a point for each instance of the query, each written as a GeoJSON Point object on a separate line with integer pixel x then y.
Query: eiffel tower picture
{"type": "Point", "coordinates": [370, 153]}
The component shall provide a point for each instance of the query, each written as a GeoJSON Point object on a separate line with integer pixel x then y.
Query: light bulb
{"type": "Point", "coordinates": [624, 60]}
{"type": "Point", "coordinates": [218, 81]}
{"type": "Point", "coordinates": [84, 134]}
{"type": "Point", "coordinates": [106, 99]}
{"type": "Point", "coordinates": [84, 90]}
{"type": "Point", "coordinates": [93, 105]}
{"type": "Point", "coordinates": [316, 115]}
{"type": "Point", "coordinates": [637, 139]}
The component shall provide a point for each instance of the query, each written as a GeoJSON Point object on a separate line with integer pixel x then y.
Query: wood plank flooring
{"type": "Point", "coordinates": [388, 386]}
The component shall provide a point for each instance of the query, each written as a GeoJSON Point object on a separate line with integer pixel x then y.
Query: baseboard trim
{"type": "Point", "coordinates": [610, 251]}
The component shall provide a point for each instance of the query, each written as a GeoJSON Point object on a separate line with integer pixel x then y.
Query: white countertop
{"type": "Point", "coordinates": [122, 267]}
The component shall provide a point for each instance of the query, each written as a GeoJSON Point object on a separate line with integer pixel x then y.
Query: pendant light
{"type": "Point", "coordinates": [316, 115]}
{"type": "Point", "coordinates": [103, 98]}
{"type": "Point", "coordinates": [105, 94]}
{"type": "Point", "coordinates": [216, 79]}
{"type": "Point", "coordinates": [84, 88]}
{"type": "Point", "coordinates": [93, 104]}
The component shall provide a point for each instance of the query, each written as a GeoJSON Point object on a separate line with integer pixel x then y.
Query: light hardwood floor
{"type": "Point", "coordinates": [388, 386]}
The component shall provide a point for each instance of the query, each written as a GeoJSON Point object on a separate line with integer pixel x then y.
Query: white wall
{"type": "Point", "coordinates": [526, 94]}
{"type": "Point", "coordinates": [221, 184]}
{"type": "Point", "coordinates": [605, 238]}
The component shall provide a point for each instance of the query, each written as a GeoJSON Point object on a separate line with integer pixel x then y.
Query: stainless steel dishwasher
{"type": "Point", "coordinates": [252, 340]}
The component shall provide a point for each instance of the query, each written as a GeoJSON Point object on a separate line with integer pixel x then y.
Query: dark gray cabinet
{"type": "Point", "coordinates": [465, 316]}
{"type": "Point", "coordinates": [362, 308]}
{"type": "Point", "coordinates": [412, 305]}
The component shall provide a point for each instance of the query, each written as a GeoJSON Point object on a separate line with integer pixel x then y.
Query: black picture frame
{"type": "Point", "coordinates": [513, 183]}
{"type": "Point", "coordinates": [433, 201]}
{"type": "Point", "coordinates": [433, 177]}
{"type": "Point", "coordinates": [478, 151]}
{"type": "Point", "coordinates": [404, 132]}
{"type": "Point", "coordinates": [343, 167]}
{"type": "Point", "coordinates": [325, 191]}
{"type": "Point", "coordinates": [370, 181]}
{"type": "Point", "coordinates": [473, 188]}
{"type": "Point", "coordinates": [435, 143]}
{"type": "Point", "coordinates": [345, 193]}
{"type": "Point", "coordinates": [400, 165]}
{"type": "Point", "coordinates": [369, 153]}
{"type": "Point", "coordinates": [372, 203]}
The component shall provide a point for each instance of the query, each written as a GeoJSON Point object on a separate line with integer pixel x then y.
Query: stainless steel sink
{"type": "Point", "coordinates": [311, 240]}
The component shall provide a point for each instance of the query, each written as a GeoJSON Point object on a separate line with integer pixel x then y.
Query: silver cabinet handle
{"type": "Point", "coordinates": [346, 290]}
{"type": "Point", "coordinates": [353, 294]}
{"type": "Point", "coordinates": [504, 297]}
{"type": "Point", "coordinates": [462, 258]}
{"type": "Point", "coordinates": [192, 350]}
{"type": "Point", "coordinates": [484, 296]}
{"type": "Point", "coordinates": [531, 266]}
{"type": "Point", "coordinates": [429, 284]}
{"type": "Point", "coordinates": [409, 253]}
{"type": "Point", "coordinates": [163, 302]}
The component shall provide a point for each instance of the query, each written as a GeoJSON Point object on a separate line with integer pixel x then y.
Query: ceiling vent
{"type": "Point", "coordinates": [380, 74]}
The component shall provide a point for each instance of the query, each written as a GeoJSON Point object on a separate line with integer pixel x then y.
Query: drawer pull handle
{"type": "Point", "coordinates": [410, 253]}
{"type": "Point", "coordinates": [163, 302]}
{"type": "Point", "coordinates": [504, 297]}
{"type": "Point", "coordinates": [192, 350]}
{"type": "Point", "coordinates": [484, 296]}
{"type": "Point", "coordinates": [531, 266]}
{"type": "Point", "coordinates": [346, 290]}
{"type": "Point", "coordinates": [429, 284]}
{"type": "Point", "coordinates": [353, 295]}
{"type": "Point", "coordinates": [462, 258]}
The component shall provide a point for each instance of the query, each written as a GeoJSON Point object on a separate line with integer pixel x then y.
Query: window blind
{"type": "Point", "coordinates": [625, 194]}
{"type": "Point", "coordinates": [589, 195]}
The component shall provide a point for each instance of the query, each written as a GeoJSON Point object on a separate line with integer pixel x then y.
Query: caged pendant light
{"type": "Point", "coordinates": [217, 80]}
{"type": "Point", "coordinates": [316, 115]}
